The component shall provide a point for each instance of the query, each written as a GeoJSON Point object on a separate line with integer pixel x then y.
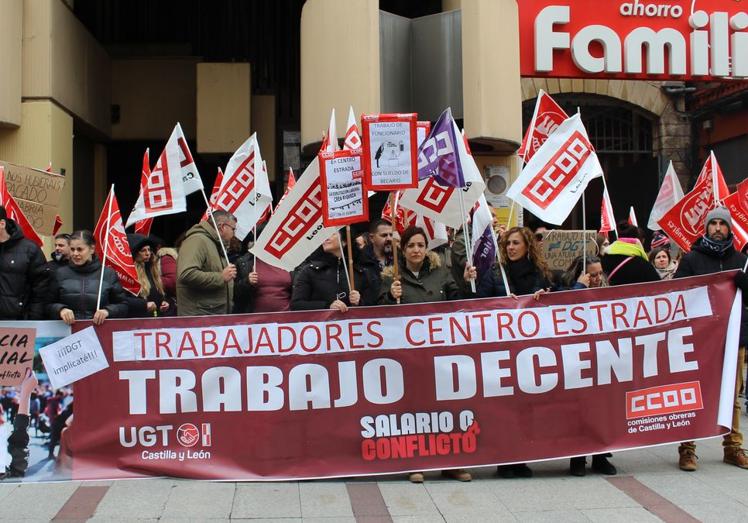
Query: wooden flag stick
{"type": "Point", "coordinates": [395, 268]}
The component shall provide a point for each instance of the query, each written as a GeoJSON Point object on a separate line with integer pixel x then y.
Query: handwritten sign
{"type": "Point", "coordinates": [38, 194]}
{"type": "Point", "coordinates": [16, 354]}
{"type": "Point", "coordinates": [344, 198]}
{"type": "Point", "coordinates": [73, 358]}
{"type": "Point", "coordinates": [561, 247]}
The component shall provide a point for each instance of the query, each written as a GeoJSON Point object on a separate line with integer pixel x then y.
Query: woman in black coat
{"type": "Point", "coordinates": [75, 287]}
{"type": "Point", "coordinates": [626, 261]}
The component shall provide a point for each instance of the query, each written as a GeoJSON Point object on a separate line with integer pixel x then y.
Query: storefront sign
{"type": "Point", "coordinates": [652, 39]}
{"type": "Point", "coordinates": [410, 388]}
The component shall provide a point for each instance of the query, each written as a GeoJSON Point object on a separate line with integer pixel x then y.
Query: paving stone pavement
{"type": "Point", "coordinates": [648, 488]}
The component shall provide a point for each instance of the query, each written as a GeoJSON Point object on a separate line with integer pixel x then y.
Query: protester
{"type": "Point", "coordinates": [259, 286]}
{"type": "Point", "coordinates": [660, 240]}
{"type": "Point", "coordinates": [149, 276]}
{"type": "Point", "coordinates": [205, 282]}
{"type": "Point", "coordinates": [591, 278]}
{"type": "Point", "coordinates": [323, 282]}
{"type": "Point", "coordinates": [18, 441]}
{"type": "Point", "coordinates": [61, 253]}
{"type": "Point", "coordinates": [603, 243]}
{"type": "Point", "coordinates": [24, 278]}
{"type": "Point", "coordinates": [167, 266]}
{"type": "Point", "coordinates": [378, 249]}
{"type": "Point", "coordinates": [75, 288]}
{"type": "Point", "coordinates": [715, 252]}
{"type": "Point", "coordinates": [664, 264]}
{"type": "Point", "coordinates": [422, 279]}
{"type": "Point", "coordinates": [525, 267]}
{"type": "Point", "coordinates": [625, 260]}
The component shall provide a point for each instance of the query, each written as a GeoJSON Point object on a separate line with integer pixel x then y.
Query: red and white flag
{"type": "Point", "coordinates": [295, 230]}
{"type": "Point", "coordinates": [172, 179]}
{"type": "Point", "coordinates": [245, 191]}
{"type": "Point", "coordinates": [436, 233]}
{"type": "Point", "coordinates": [58, 225]}
{"type": "Point", "coordinates": [737, 204]}
{"type": "Point", "coordinates": [607, 218]}
{"type": "Point", "coordinates": [552, 182]}
{"type": "Point", "coordinates": [13, 211]}
{"type": "Point", "coordinates": [214, 193]}
{"type": "Point", "coordinates": [290, 182]}
{"type": "Point", "coordinates": [352, 137]}
{"type": "Point", "coordinates": [144, 226]}
{"type": "Point", "coordinates": [110, 232]}
{"type": "Point", "coordinates": [442, 203]}
{"type": "Point", "coordinates": [632, 217]}
{"type": "Point", "coordinates": [330, 141]}
{"type": "Point", "coordinates": [684, 222]}
{"type": "Point", "coordinates": [548, 116]}
{"type": "Point", "coordinates": [670, 193]}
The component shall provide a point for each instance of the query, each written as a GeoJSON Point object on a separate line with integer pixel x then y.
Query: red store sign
{"type": "Point", "coordinates": [644, 39]}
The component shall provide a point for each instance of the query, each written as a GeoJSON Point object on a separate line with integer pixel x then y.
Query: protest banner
{"type": "Point", "coordinates": [410, 388]}
{"type": "Point", "coordinates": [344, 198]}
{"type": "Point", "coordinates": [16, 354]}
{"type": "Point", "coordinates": [37, 193]}
{"type": "Point", "coordinates": [73, 358]}
{"type": "Point", "coordinates": [561, 247]}
{"type": "Point", "coordinates": [390, 151]}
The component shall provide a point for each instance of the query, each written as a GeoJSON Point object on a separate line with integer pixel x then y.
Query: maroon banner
{"type": "Point", "coordinates": [402, 388]}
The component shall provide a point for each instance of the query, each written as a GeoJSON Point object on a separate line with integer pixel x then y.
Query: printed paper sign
{"type": "Point", "coordinates": [343, 191]}
{"type": "Point", "coordinates": [16, 354]}
{"type": "Point", "coordinates": [390, 151]}
{"type": "Point", "coordinates": [73, 358]}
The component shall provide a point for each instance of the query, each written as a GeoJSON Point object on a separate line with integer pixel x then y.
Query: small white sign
{"type": "Point", "coordinates": [73, 358]}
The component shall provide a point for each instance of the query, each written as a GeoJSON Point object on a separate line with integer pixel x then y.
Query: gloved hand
{"type": "Point", "coordinates": [741, 280]}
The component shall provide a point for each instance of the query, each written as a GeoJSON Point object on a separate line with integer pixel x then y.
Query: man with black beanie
{"type": "Point", "coordinates": [714, 252]}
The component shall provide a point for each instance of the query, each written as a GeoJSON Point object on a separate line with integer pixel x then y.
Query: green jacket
{"type": "Point", "coordinates": [200, 286]}
{"type": "Point", "coordinates": [434, 283]}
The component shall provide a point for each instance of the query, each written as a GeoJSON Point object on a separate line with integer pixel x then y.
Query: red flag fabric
{"type": "Point", "coordinates": [684, 223]}
{"type": "Point", "coordinates": [144, 226]}
{"type": "Point", "coordinates": [58, 225]}
{"type": "Point", "coordinates": [110, 229]}
{"type": "Point", "coordinates": [737, 204]}
{"type": "Point", "coordinates": [547, 117]}
{"type": "Point", "coordinates": [632, 217]}
{"type": "Point", "coordinates": [14, 212]}
{"type": "Point", "coordinates": [214, 193]}
{"type": "Point", "coordinates": [607, 218]}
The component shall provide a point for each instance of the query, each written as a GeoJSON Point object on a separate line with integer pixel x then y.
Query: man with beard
{"type": "Point", "coordinates": [61, 255]}
{"type": "Point", "coordinates": [377, 255]}
{"type": "Point", "coordinates": [714, 252]}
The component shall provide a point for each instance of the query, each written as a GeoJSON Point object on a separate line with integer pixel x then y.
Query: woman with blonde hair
{"type": "Point", "coordinates": [149, 276]}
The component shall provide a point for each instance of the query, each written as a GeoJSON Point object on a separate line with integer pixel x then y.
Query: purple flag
{"type": "Point", "coordinates": [484, 253]}
{"type": "Point", "coordinates": [438, 156]}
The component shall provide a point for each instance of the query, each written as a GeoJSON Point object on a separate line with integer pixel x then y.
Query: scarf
{"type": "Point", "coordinates": [668, 272]}
{"type": "Point", "coordinates": [524, 277]}
{"type": "Point", "coordinates": [715, 247]}
{"type": "Point", "coordinates": [628, 247]}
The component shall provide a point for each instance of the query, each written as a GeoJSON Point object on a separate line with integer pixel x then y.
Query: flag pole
{"type": "Point", "coordinates": [106, 245]}
{"type": "Point", "coordinates": [584, 234]}
{"type": "Point", "coordinates": [468, 244]}
{"type": "Point", "coordinates": [501, 265]}
{"type": "Point", "coordinates": [395, 268]}
{"type": "Point", "coordinates": [213, 220]}
{"type": "Point", "coordinates": [350, 257]}
{"type": "Point", "coordinates": [345, 265]}
{"type": "Point", "coordinates": [511, 213]}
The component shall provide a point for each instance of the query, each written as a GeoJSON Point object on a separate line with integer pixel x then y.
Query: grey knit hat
{"type": "Point", "coordinates": [719, 213]}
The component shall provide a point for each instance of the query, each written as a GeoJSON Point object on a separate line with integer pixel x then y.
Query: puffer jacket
{"type": "Point", "coordinates": [323, 279]}
{"type": "Point", "coordinates": [200, 286]}
{"type": "Point", "coordinates": [24, 278]}
{"type": "Point", "coordinates": [702, 261]}
{"type": "Point", "coordinates": [76, 287]}
{"type": "Point", "coordinates": [433, 283]}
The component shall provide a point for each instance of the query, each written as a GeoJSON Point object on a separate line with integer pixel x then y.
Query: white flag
{"type": "Point", "coordinates": [352, 137]}
{"type": "Point", "coordinates": [632, 217]}
{"type": "Point", "coordinates": [555, 178]}
{"type": "Point", "coordinates": [440, 203]}
{"type": "Point", "coordinates": [670, 193]}
{"type": "Point", "coordinates": [331, 145]}
{"type": "Point", "coordinates": [295, 229]}
{"type": "Point", "coordinates": [245, 190]}
{"type": "Point", "coordinates": [190, 175]}
{"type": "Point", "coordinates": [165, 191]}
